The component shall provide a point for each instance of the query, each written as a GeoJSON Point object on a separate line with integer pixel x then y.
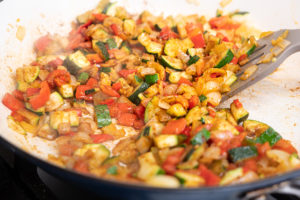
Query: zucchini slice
{"type": "Point", "coordinates": [39, 111]}
{"type": "Point", "coordinates": [15, 126]}
{"type": "Point", "coordinates": [111, 43]}
{"type": "Point", "coordinates": [151, 78]}
{"type": "Point", "coordinates": [100, 48]}
{"type": "Point", "coordinates": [224, 125]}
{"type": "Point", "coordinates": [231, 176]}
{"type": "Point", "coordinates": [164, 181]}
{"type": "Point", "coordinates": [101, 153]}
{"type": "Point", "coordinates": [54, 102]}
{"type": "Point", "coordinates": [195, 51]}
{"type": "Point", "coordinates": [270, 135]}
{"type": "Point", "coordinates": [58, 117]}
{"type": "Point", "coordinates": [239, 114]}
{"type": "Point", "coordinates": [75, 62]}
{"type": "Point", "coordinates": [172, 63]}
{"type": "Point", "coordinates": [29, 116]}
{"type": "Point", "coordinates": [102, 115]}
{"type": "Point", "coordinates": [242, 153]}
{"type": "Point", "coordinates": [83, 77]}
{"type": "Point", "coordinates": [226, 58]}
{"type": "Point", "coordinates": [255, 126]}
{"type": "Point", "coordinates": [176, 110]}
{"type": "Point", "coordinates": [66, 90]}
{"type": "Point", "coordinates": [193, 60]}
{"type": "Point", "coordinates": [150, 109]}
{"type": "Point", "coordinates": [125, 47]}
{"type": "Point", "coordinates": [110, 9]}
{"type": "Point", "coordinates": [148, 166]}
{"type": "Point", "coordinates": [31, 73]}
{"type": "Point", "coordinates": [251, 50]}
{"type": "Point", "coordinates": [165, 141]}
{"type": "Point", "coordinates": [200, 137]}
{"type": "Point", "coordinates": [151, 47]}
{"type": "Point", "coordinates": [188, 179]}
{"type": "Point", "coordinates": [139, 89]}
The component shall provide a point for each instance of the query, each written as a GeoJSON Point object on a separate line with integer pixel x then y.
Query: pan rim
{"type": "Point", "coordinates": [51, 168]}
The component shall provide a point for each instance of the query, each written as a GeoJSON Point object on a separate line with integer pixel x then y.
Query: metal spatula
{"type": "Point", "coordinates": [264, 69]}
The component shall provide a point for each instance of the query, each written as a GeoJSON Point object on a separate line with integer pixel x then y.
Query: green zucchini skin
{"type": "Point", "coordinates": [193, 60]}
{"type": "Point", "coordinates": [134, 96]}
{"type": "Point", "coordinates": [151, 78]}
{"type": "Point", "coordinates": [102, 115]}
{"type": "Point", "coordinates": [226, 59]}
{"type": "Point", "coordinates": [251, 50]}
{"type": "Point", "coordinates": [171, 63]}
{"type": "Point", "coordinates": [242, 153]}
{"type": "Point", "coordinates": [270, 135]}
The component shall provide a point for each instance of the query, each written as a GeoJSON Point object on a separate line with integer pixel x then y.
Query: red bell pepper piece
{"type": "Point", "coordinates": [116, 31]}
{"type": "Point", "coordinates": [127, 119]}
{"type": "Point", "coordinates": [242, 57]}
{"type": "Point", "coordinates": [94, 58]}
{"type": "Point", "coordinates": [99, 138]}
{"type": "Point", "coordinates": [198, 40]}
{"type": "Point", "coordinates": [17, 116]}
{"type": "Point", "coordinates": [184, 80]}
{"type": "Point", "coordinates": [285, 145]}
{"type": "Point", "coordinates": [42, 43]}
{"type": "Point", "coordinates": [175, 127]}
{"type": "Point", "coordinates": [263, 148]}
{"type": "Point", "coordinates": [12, 103]}
{"type": "Point", "coordinates": [108, 90]}
{"type": "Point", "coordinates": [194, 101]}
{"type": "Point", "coordinates": [80, 92]}
{"type": "Point", "coordinates": [125, 107]}
{"type": "Point", "coordinates": [237, 103]}
{"type": "Point", "coordinates": [58, 77]}
{"type": "Point", "coordinates": [108, 102]}
{"type": "Point", "coordinates": [166, 33]}
{"type": "Point", "coordinates": [234, 60]}
{"type": "Point", "coordinates": [92, 82]}
{"type": "Point", "coordinates": [210, 178]}
{"type": "Point", "coordinates": [239, 128]}
{"type": "Point", "coordinates": [32, 91]}
{"type": "Point", "coordinates": [138, 124]}
{"type": "Point", "coordinates": [125, 72]}
{"type": "Point", "coordinates": [193, 29]}
{"type": "Point", "coordinates": [56, 62]}
{"type": "Point", "coordinates": [18, 94]}
{"type": "Point", "coordinates": [223, 22]}
{"type": "Point", "coordinates": [171, 161]}
{"type": "Point", "coordinates": [117, 86]}
{"type": "Point", "coordinates": [40, 100]}
{"type": "Point", "coordinates": [99, 16]}
{"type": "Point", "coordinates": [250, 165]}
{"type": "Point", "coordinates": [139, 111]}
{"type": "Point", "coordinates": [83, 26]}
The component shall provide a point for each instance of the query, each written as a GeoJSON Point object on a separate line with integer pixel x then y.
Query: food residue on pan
{"type": "Point", "coordinates": [225, 3]}
{"type": "Point", "coordinates": [21, 32]}
{"type": "Point", "coordinates": [194, 2]}
{"type": "Point", "coordinates": [295, 89]}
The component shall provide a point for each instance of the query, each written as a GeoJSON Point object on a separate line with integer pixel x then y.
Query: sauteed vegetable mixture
{"type": "Point", "coordinates": [150, 85]}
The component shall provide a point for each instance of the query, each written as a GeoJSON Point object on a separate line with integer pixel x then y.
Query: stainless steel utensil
{"type": "Point", "coordinates": [264, 69]}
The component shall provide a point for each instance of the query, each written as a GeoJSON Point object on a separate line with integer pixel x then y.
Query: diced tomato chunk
{"type": "Point", "coordinates": [234, 60]}
{"type": "Point", "coordinates": [125, 72]}
{"type": "Point", "coordinates": [126, 119]}
{"type": "Point", "coordinates": [18, 94]}
{"type": "Point", "coordinates": [125, 107]}
{"type": "Point", "coordinates": [58, 77]}
{"type": "Point", "coordinates": [17, 116]}
{"type": "Point", "coordinates": [184, 80]}
{"type": "Point", "coordinates": [99, 138]}
{"type": "Point", "coordinates": [117, 86]}
{"type": "Point", "coordinates": [32, 91]}
{"type": "Point", "coordinates": [40, 100]}
{"type": "Point", "coordinates": [263, 148]}
{"type": "Point", "coordinates": [80, 92]}
{"type": "Point", "coordinates": [42, 43]}
{"type": "Point", "coordinates": [210, 178]}
{"type": "Point", "coordinates": [237, 103]}
{"type": "Point", "coordinates": [108, 102]}
{"type": "Point", "coordinates": [194, 101]}
{"type": "Point", "coordinates": [175, 127]}
{"type": "Point", "coordinates": [250, 165]}
{"type": "Point", "coordinates": [108, 90]}
{"type": "Point", "coordinates": [92, 82]}
{"type": "Point", "coordinates": [81, 166]}
{"type": "Point", "coordinates": [198, 40]}
{"type": "Point", "coordinates": [166, 33]}
{"type": "Point", "coordinates": [99, 16]}
{"type": "Point", "coordinates": [285, 145]}
{"type": "Point", "coordinates": [138, 124]}
{"type": "Point", "coordinates": [139, 111]}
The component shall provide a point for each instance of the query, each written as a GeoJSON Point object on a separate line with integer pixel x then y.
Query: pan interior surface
{"type": "Point", "coordinates": [275, 100]}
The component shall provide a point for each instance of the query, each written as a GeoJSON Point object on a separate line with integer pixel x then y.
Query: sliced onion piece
{"type": "Point", "coordinates": [249, 72]}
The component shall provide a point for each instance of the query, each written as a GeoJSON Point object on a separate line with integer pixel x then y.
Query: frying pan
{"type": "Point", "coordinates": [275, 100]}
